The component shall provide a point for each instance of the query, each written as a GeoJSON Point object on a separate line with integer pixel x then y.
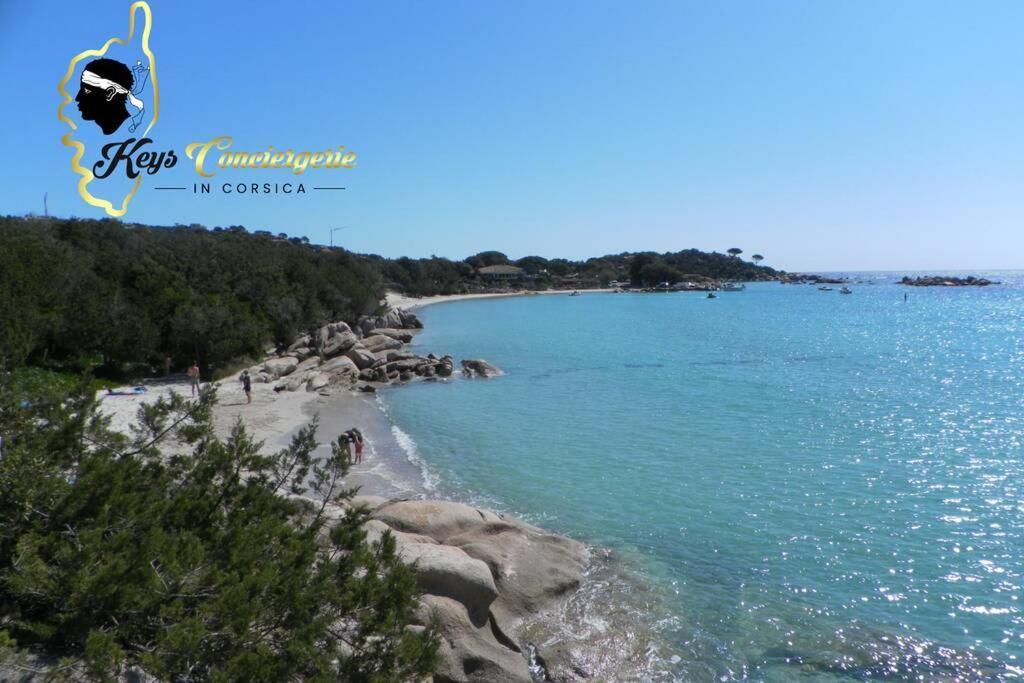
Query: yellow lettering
{"type": "Point", "coordinates": [222, 142]}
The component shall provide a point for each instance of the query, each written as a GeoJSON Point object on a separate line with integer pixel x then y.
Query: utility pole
{"type": "Point", "coordinates": [334, 230]}
{"type": "Point", "coordinates": [46, 209]}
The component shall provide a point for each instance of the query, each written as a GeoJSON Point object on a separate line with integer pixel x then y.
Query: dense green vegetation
{"type": "Point", "coordinates": [118, 299]}
{"type": "Point", "coordinates": [84, 293]}
{"type": "Point", "coordinates": [177, 552]}
{"type": "Point", "coordinates": [426, 277]}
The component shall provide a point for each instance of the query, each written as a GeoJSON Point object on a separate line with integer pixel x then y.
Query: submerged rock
{"type": "Point", "coordinates": [479, 368]}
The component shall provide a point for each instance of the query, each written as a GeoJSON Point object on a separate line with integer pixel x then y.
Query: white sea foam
{"type": "Point", "coordinates": [407, 444]}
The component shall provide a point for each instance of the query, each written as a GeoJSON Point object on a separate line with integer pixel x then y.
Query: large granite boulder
{"type": "Point", "coordinates": [379, 342]}
{"type": "Point", "coordinates": [338, 344]}
{"type": "Point", "coordinates": [438, 519]}
{"type": "Point", "coordinates": [470, 651]}
{"type": "Point", "coordinates": [531, 567]}
{"type": "Point", "coordinates": [451, 573]}
{"type": "Point", "coordinates": [369, 502]}
{"type": "Point", "coordinates": [395, 319]}
{"type": "Point", "coordinates": [446, 366]}
{"type": "Point", "coordinates": [404, 336]}
{"type": "Point", "coordinates": [408, 364]}
{"type": "Point", "coordinates": [333, 339]}
{"type": "Point", "coordinates": [375, 530]}
{"type": "Point", "coordinates": [340, 370]}
{"type": "Point", "coordinates": [361, 356]}
{"type": "Point", "coordinates": [308, 364]}
{"type": "Point", "coordinates": [479, 368]}
{"type": "Point", "coordinates": [300, 342]}
{"type": "Point", "coordinates": [317, 381]}
{"type": "Point", "coordinates": [458, 553]}
{"type": "Point", "coordinates": [296, 380]}
{"type": "Point", "coordinates": [389, 355]}
{"type": "Point", "coordinates": [279, 367]}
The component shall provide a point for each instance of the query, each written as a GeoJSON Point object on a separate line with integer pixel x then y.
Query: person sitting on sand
{"type": "Point", "coordinates": [193, 377]}
{"type": "Point", "coordinates": [246, 386]}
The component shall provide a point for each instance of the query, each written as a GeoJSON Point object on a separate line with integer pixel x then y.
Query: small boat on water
{"type": "Point", "coordinates": [824, 289]}
{"type": "Point", "coordinates": [733, 287]}
{"type": "Point", "coordinates": [575, 294]}
{"type": "Point", "coordinates": [712, 295]}
{"type": "Point", "coordinates": [846, 290]}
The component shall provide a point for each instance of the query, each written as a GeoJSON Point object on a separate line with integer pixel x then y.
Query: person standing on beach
{"type": "Point", "coordinates": [193, 377]}
{"type": "Point", "coordinates": [357, 439]}
{"type": "Point", "coordinates": [246, 386]}
{"type": "Point", "coordinates": [346, 448]}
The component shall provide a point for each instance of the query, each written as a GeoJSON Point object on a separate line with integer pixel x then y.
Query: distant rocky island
{"type": "Point", "coordinates": [810, 279]}
{"type": "Point", "coordinates": [940, 281]}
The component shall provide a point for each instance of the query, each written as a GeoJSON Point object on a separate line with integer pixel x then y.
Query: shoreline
{"type": "Point", "coordinates": [552, 634]}
{"type": "Point", "coordinates": [409, 303]}
{"type": "Point", "coordinates": [544, 586]}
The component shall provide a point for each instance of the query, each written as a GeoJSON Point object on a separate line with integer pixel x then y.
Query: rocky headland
{"type": "Point", "coordinates": [482, 574]}
{"type": "Point", "coordinates": [363, 355]}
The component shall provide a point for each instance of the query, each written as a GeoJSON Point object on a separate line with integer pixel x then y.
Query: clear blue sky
{"type": "Point", "coordinates": [825, 135]}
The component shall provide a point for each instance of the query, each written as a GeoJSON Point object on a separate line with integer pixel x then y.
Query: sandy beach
{"type": "Point", "coordinates": [396, 300]}
{"type": "Point", "coordinates": [273, 417]}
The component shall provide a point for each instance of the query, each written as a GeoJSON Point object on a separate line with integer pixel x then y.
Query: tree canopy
{"type": "Point", "coordinates": [117, 299]}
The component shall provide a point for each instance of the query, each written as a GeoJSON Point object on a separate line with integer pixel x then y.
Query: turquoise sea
{"type": "Point", "coordinates": [791, 484]}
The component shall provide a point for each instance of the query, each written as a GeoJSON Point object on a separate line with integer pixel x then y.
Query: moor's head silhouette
{"type": "Point", "coordinates": [107, 87]}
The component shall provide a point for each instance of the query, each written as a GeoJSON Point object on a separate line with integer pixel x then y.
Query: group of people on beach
{"type": "Point", "coordinates": [352, 446]}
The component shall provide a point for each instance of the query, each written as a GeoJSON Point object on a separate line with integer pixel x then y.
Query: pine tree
{"type": "Point", "coordinates": [190, 556]}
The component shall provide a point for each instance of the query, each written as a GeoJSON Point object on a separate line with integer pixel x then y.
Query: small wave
{"type": "Point", "coordinates": [406, 443]}
{"type": "Point", "coordinates": [409, 447]}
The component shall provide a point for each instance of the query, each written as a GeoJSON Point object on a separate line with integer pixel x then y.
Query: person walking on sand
{"type": "Point", "coordinates": [193, 377]}
{"type": "Point", "coordinates": [246, 386]}
{"type": "Point", "coordinates": [357, 439]}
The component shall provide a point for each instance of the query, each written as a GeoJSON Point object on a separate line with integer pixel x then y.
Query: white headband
{"type": "Point", "coordinates": [91, 79]}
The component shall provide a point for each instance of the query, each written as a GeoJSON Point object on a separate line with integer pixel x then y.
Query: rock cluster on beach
{"type": "Point", "coordinates": [939, 281]}
{"type": "Point", "coordinates": [368, 352]}
{"type": "Point", "coordinates": [481, 575]}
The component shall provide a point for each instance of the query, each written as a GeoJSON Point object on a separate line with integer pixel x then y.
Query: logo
{"type": "Point", "coordinates": [110, 98]}
{"type": "Point", "coordinates": [113, 148]}
{"type": "Point", "coordinates": [107, 86]}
